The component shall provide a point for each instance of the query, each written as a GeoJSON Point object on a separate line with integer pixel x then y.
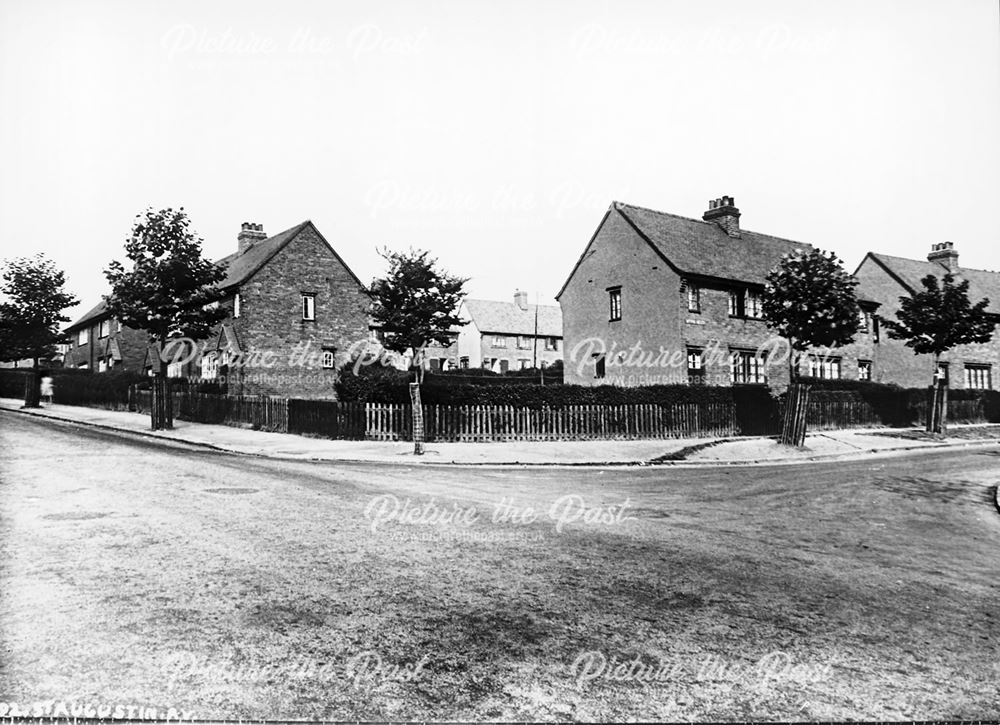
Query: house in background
{"type": "Point", "coordinates": [290, 295]}
{"type": "Point", "coordinates": [658, 298]}
{"type": "Point", "coordinates": [499, 336]}
{"type": "Point", "coordinates": [884, 279]}
{"type": "Point", "coordinates": [503, 336]}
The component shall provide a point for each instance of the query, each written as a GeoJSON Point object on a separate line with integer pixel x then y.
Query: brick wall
{"type": "Point", "coordinates": [271, 320]}
{"type": "Point", "coordinates": [650, 293]}
{"type": "Point", "coordinates": [896, 363]}
{"type": "Point", "coordinates": [132, 344]}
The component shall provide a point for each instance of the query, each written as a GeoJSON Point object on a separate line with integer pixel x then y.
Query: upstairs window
{"type": "Point", "coordinates": [308, 307]}
{"type": "Point", "coordinates": [735, 303]}
{"type": "Point", "coordinates": [978, 377]}
{"type": "Point", "coordinates": [551, 343]}
{"type": "Point", "coordinates": [614, 304]}
{"type": "Point", "coordinates": [237, 305]}
{"type": "Point", "coordinates": [753, 307]}
{"type": "Point", "coordinates": [694, 298]}
{"type": "Point", "coordinates": [83, 337]}
{"type": "Point", "coordinates": [523, 343]}
{"type": "Point", "coordinates": [104, 328]}
{"type": "Point", "coordinates": [499, 341]}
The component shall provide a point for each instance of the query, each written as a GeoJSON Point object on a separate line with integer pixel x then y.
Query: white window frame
{"type": "Point", "coordinates": [865, 365]}
{"type": "Point", "coordinates": [825, 367]}
{"type": "Point", "coordinates": [83, 336]}
{"type": "Point", "coordinates": [694, 298]}
{"type": "Point", "coordinates": [104, 328]}
{"type": "Point", "coordinates": [499, 341]}
{"type": "Point", "coordinates": [976, 373]}
{"type": "Point", "coordinates": [328, 360]}
{"type": "Point", "coordinates": [753, 305]}
{"type": "Point", "coordinates": [747, 367]}
{"type": "Point", "coordinates": [308, 307]}
{"type": "Point", "coordinates": [615, 304]}
{"type": "Point", "coordinates": [237, 305]}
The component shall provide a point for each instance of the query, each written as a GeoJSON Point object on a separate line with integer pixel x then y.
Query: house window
{"type": "Point", "coordinates": [864, 370]}
{"type": "Point", "coordinates": [696, 365]}
{"type": "Point", "coordinates": [237, 305]}
{"type": "Point", "coordinates": [864, 321]}
{"type": "Point", "coordinates": [736, 303]}
{"type": "Point", "coordinates": [753, 306]}
{"type": "Point", "coordinates": [210, 366]}
{"type": "Point", "coordinates": [104, 328]}
{"type": "Point", "coordinates": [499, 341]}
{"type": "Point", "coordinates": [523, 343]}
{"type": "Point", "coordinates": [746, 367]}
{"type": "Point", "coordinates": [435, 364]}
{"type": "Point", "coordinates": [504, 365]}
{"type": "Point", "coordinates": [175, 370]}
{"type": "Point", "coordinates": [978, 377]}
{"type": "Point", "coordinates": [942, 373]}
{"type": "Point", "coordinates": [523, 364]}
{"type": "Point", "coordinates": [102, 365]}
{"type": "Point", "coordinates": [309, 307]}
{"type": "Point", "coordinates": [827, 368]}
{"type": "Point", "coordinates": [615, 304]}
{"type": "Point", "coordinates": [84, 336]}
{"type": "Point", "coordinates": [463, 362]}
{"type": "Point", "coordinates": [551, 343]}
{"type": "Point", "coordinates": [599, 367]}
{"type": "Point", "coordinates": [328, 358]}
{"type": "Point", "coordinates": [694, 298]}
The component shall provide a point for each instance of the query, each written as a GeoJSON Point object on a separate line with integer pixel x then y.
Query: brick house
{"type": "Point", "coordinates": [506, 336]}
{"type": "Point", "coordinates": [295, 308]}
{"type": "Point", "coordinates": [884, 279]}
{"type": "Point", "coordinates": [658, 298]}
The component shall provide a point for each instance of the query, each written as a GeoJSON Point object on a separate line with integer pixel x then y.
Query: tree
{"type": "Point", "coordinates": [933, 321]}
{"type": "Point", "coordinates": [31, 314]}
{"type": "Point", "coordinates": [809, 300]}
{"type": "Point", "coordinates": [168, 292]}
{"type": "Point", "coordinates": [416, 304]}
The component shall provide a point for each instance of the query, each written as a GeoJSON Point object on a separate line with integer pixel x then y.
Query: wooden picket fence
{"type": "Point", "coordinates": [483, 423]}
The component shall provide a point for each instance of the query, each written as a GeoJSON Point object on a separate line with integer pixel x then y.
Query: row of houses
{"type": "Point", "coordinates": [297, 314]}
{"type": "Point", "coordinates": [654, 298]}
{"type": "Point", "coordinates": [662, 298]}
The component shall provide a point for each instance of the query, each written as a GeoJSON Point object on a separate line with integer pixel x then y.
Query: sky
{"type": "Point", "coordinates": [496, 134]}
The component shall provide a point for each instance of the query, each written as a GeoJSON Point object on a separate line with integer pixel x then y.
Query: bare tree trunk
{"type": "Point", "coordinates": [32, 383]}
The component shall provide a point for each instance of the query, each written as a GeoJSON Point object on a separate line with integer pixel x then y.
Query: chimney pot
{"type": "Point", "coordinates": [724, 213]}
{"type": "Point", "coordinates": [249, 234]}
{"type": "Point", "coordinates": [944, 254]}
{"type": "Point", "coordinates": [521, 299]}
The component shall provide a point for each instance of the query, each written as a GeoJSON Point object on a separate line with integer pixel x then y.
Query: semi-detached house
{"type": "Point", "coordinates": [290, 295]}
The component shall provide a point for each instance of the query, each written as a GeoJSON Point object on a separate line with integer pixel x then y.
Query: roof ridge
{"type": "Point", "coordinates": [620, 204]}
{"type": "Point", "coordinates": [927, 261]}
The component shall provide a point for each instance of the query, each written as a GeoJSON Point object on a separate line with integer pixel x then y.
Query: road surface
{"type": "Point", "coordinates": [164, 578]}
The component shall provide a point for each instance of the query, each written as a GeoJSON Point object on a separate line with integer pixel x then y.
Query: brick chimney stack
{"type": "Point", "coordinates": [723, 212]}
{"type": "Point", "coordinates": [945, 254]}
{"type": "Point", "coordinates": [250, 233]}
{"type": "Point", "coordinates": [521, 299]}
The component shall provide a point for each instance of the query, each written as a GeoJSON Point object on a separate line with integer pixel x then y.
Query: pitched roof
{"type": "Point", "coordinates": [239, 267]}
{"type": "Point", "coordinates": [508, 318]}
{"type": "Point", "coordinates": [909, 272]}
{"type": "Point", "coordinates": [697, 247]}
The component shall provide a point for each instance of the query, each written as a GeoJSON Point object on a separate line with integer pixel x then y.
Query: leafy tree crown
{"type": "Point", "coordinates": [940, 317]}
{"type": "Point", "coordinates": [31, 313]}
{"type": "Point", "coordinates": [809, 299]}
{"type": "Point", "coordinates": [170, 288]}
{"type": "Point", "coordinates": [416, 303]}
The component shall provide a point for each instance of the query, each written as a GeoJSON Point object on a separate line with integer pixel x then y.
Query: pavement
{"type": "Point", "coordinates": [827, 445]}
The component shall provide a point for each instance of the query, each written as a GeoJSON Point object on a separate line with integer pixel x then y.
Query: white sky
{"type": "Point", "coordinates": [497, 133]}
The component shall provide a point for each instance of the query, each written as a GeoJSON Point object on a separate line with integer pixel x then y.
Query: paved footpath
{"type": "Point", "coordinates": [847, 444]}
